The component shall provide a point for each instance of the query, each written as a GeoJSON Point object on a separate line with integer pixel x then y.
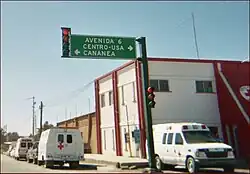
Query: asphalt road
{"type": "Point", "coordinates": [10, 165]}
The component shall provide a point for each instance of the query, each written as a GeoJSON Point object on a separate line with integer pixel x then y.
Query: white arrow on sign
{"type": "Point", "coordinates": [77, 52]}
{"type": "Point", "coordinates": [130, 48]}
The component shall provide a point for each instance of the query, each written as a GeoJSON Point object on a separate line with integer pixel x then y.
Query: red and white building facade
{"type": "Point", "coordinates": [212, 92]}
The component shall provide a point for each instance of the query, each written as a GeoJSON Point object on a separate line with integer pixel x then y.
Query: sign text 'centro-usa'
{"type": "Point", "coordinates": [102, 47]}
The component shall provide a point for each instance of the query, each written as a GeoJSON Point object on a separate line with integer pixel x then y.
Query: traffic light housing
{"type": "Point", "coordinates": [151, 97]}
{"type": "Point", "coordinates": [66, 33]}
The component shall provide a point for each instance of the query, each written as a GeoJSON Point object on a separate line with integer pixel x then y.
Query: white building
{"type": "Point", "coordinates": [185, 91]}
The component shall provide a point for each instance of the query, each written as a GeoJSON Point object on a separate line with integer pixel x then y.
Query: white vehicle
{"type": "Point", "coordinates": [12, 152]}
{"type": "Point", "coordinates": [190, 145]}
{"type": "Point", "coordinates": [22, 146]}
{"type": "Point", "coordinates": [59, 146]}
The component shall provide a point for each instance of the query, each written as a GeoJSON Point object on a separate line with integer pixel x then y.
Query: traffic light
{"type": "Point", "coordinates": [151, 97]}
{"type": "Point", "coordinates": [66, 32]}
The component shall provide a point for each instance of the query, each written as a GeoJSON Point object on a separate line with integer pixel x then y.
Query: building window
{"type": "Point", "coordinates": [122, 95]}
{"type": "Point", "coordinates": [111, 98]}
{"type": "Point", "coordinates": [160, 85]}
{"type": "Point", "coordinates": [102, 100]}
{"type": "Point", "coordinates": [104, 137]}
{"type": "Point", "coordinates": [163, 86]}
{"type": "Point", "coordinates": [134, 90]}
{"type": "Point", "coordinates": [204, 86]}
{"type": "Point", "coordinates": [126, 148]}
{"type": "Point", "coordinates": [113, 137]}
{"type": "Point", "coordinates": [154, 83]}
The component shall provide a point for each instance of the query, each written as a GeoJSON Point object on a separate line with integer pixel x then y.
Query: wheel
{"type": "Point", "coordinates": [61, 164]}
{"type": "Point", "coordinates": [39, 163]}
{"type": "Point", "coordinates": [191, 165]}
{"type": "Point", "coordinates": [228, 169]}
{"type": "Point", "coordinates": [74, 165]}
{"type": "Point", "coordinates": [17, 158]}
{"type": "Point", "coordinates": [35, 161]}
{"type": "Point", "coordinates": [158, 163]}
{"type": "Point", "coordinates": [48, 164]}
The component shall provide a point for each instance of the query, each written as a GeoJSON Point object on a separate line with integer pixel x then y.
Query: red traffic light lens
{"type": "Point", "coordinates": [151, 89]}
{"type": "Point", "coordinates": [65, 31]}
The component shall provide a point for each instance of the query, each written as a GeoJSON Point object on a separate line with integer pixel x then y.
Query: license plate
{"type": "Point", "coordinates": [216, 150]}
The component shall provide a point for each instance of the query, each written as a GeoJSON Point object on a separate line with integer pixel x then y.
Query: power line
{"type": "Point", "coordinates": [72, 94]}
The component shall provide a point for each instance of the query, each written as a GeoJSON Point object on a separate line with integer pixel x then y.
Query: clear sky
{"type": "Point", "coordinates": [31, 47]}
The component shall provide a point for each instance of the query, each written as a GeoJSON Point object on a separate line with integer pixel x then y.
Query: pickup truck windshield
{"type": "Point", "coordinates": [193, 137]}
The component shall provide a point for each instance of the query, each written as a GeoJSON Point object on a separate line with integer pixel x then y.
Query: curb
{"type": "Point", "coordinates": [118, 164]}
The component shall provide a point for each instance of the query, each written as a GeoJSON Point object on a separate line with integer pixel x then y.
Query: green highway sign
{"type": "Point", "coordinates": [102, 47]}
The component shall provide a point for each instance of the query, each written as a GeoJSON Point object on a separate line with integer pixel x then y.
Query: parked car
{"type": "Point", "coordinates": [32, 153]}
{"type": "Point", "coordinates": [12, 152]}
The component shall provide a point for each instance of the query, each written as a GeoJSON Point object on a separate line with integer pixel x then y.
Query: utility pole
{"type": "Point", "coordinates": [195, 38]}
{"type": "Point", "coordinates": [41, 118]}
{"type": "Point", "coordinates": [149, 130]}
{"type": "Point", "coordinates": [33, 115]}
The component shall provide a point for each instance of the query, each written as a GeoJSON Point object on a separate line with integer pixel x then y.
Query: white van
{"type": "Point", "coordinates": [190, 145]}
{"type": "Point", "coordinates": [60, 145]}
{"type": "Point", "coordinates": [22, 146]}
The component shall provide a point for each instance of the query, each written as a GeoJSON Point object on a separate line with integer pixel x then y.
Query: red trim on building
{"type": "Point", "coordinates": [190, 60]}
{"type": "Point", "coordinates": [237, 74]}
{"type": "Point", "coordinates": [98, 118]}
{"type": "Point", "coordinates": [115, 70]}
{"type": "Point", "coordinates": [140, 108]}
{"type": "Point", "coordinates": [116, 114]}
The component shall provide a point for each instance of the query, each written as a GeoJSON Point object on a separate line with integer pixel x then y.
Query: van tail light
{"type": "Point", "coordinates": [185, 127]}
{"type": "Point", "coordinates": [203, 126]}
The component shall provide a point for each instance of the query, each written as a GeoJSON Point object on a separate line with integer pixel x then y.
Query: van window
{"type": "Point", "coordinates": [164, 138]}
{"type": "Point", "coordinates": [60, 138]}
{"type": "Point", "coordinates": [170, 138]}
{"type": "Point", "coordinates": [193, 137]}
{"type": "Point", "coordinates": [69, 139]}
{"type": "Point", "coordinates": [23, 145]}
{"type": "Point", "coordinates": [178, 139]}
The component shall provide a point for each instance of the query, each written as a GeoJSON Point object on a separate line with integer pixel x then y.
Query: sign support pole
{"type": "Point", "coordinates": [149, 130]}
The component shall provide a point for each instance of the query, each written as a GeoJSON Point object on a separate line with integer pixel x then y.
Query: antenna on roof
{"type": "Point", "coordinates": [195, 38]}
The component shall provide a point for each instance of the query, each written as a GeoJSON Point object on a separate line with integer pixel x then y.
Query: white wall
{"type": "Point", "coordinates": [183, 103]}
{"type": "Point", "coordinates": [128, 108]}
{"type": "Point", "coordinates": [107, 117]}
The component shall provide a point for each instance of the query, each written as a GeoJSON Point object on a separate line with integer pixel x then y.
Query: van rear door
{"type": "Point", "coordinates": [70, 146]}
{"type": "Point", "coordinates": [59, 149]}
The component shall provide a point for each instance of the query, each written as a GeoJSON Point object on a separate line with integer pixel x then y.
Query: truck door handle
{"type": "Point", "coordinates": [174, 151]}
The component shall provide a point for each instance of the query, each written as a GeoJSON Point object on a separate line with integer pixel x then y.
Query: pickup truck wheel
{"type": "Point", "coordinates": [191, 165]}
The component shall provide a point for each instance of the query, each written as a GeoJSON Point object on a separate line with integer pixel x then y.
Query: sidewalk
{"type": "Point", "coordinates": [118, 161]}
{"type": "Point", "coordinates": [121, 161]}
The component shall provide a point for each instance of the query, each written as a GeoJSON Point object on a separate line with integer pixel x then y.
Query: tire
{"type": "Point", "coordinates": [191, 165]}
{"type": "Point", "coordinates": [74, 165]}
{"type": "Point", "coordinates": [39, 163]}
{"type": "Point", "coordinates": [34, 160]}
{"type": "Point", "coordinates": [17, 158]}
{"type": "Point", "coordinates": [228, 169]}
{"type": "Point", "coordinates": [49, 164]}
{"type": "Point", "coordinates": [158, 163]}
